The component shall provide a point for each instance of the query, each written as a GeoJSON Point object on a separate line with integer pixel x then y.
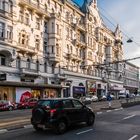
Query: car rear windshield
{"type": "Point", "coordinates": [45, 103]}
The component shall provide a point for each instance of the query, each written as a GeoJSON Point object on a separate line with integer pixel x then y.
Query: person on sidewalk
{"type": "Point", "coordinates": [109, 99]}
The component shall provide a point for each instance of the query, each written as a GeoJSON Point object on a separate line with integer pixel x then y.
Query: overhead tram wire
{"type": "Point", "coordinates": [129, 39]}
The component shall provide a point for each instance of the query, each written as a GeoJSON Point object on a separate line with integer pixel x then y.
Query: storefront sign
{"type": "Point", "coordinates": [78, 90]}
{"type": "Point", "coordinates": [91, 86]}
{"type": "Point", "coordinates": [2, 77]}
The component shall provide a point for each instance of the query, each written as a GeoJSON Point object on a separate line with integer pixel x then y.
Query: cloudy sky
{"type": "Point", "coordinates": [127, 14]}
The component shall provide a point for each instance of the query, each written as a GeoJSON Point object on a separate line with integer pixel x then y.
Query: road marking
{"type": "Point", "coordinates": [118, 109]}
{"type": "Point", "coordinates": [98, 113]}
{"type": "Point", "coordinates": [133, 137]}
{"type": "Point", "coordinates": [28, 126]}
{"type": "Point", "coordinates": [128, 117]}
{"type": "Point", "coordinates": [108, 110]}
{"type": "Point", "coordinates": [84, 131]}
{"type": "Point", "coordinates": [3, 131]}
{"type": "Point", "coordinates": [14, 122]}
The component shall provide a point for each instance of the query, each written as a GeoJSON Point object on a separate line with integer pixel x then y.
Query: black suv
{"type": "Point", "coordinates": [59, 113]}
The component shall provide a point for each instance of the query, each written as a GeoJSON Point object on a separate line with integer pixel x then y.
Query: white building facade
{"type": "Point", "coordinates": [55, 48]}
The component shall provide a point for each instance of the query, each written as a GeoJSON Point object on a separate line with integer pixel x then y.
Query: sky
{"type": "Point", "coordinates": [126, 13]}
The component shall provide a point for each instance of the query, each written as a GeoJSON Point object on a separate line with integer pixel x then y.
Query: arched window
{"type": "Point", "coordinates": [2, 60]}
{"type": "Point", "coordinates": [18, 62]}
{"type": "Point", "coordinates": [28, 64]}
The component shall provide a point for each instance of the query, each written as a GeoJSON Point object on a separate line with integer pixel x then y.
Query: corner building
{"type": "Point", "coordinates": [55, 48]}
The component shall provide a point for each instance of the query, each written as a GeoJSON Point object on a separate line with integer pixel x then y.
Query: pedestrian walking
{"type": "Point", "coordinates": [109, 99]}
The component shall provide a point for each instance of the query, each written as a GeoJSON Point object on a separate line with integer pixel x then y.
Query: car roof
{"type": "Point", "coordinates": [45, 99]}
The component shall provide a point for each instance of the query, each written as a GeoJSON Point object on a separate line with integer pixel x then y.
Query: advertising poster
{"type": "Point", "coordinates": [22, 94]}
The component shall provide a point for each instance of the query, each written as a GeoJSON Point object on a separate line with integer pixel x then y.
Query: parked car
{"type": "Point", "coordinates": [6, 105]}
{"type": "Point", "coordinates": [28, 103]}
{"type": "Point", "coordinates": [59, 114]}
{"type": "Point", "coordinates": [94, 98]}
{"type": "Point", "coordinates": [103, 98]}
{"type": "Point", "coordinates": [86, 100]}
{"type": "Point", "coordinates": [121, 95]}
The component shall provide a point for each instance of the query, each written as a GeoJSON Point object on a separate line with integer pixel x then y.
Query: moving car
{"type": "Point", "coordinates": [28, 103]}
{"type": "Point", "coordinates": [60, 113]}
{"type": "Point", "coordinates": [6, 105]}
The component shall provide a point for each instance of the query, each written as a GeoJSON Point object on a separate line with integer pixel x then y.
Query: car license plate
{"type": "Point", "coordinates": [41, 126]}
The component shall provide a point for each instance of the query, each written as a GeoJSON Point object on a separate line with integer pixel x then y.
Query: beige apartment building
{"type": "Point", "coordinates": [56, 48]}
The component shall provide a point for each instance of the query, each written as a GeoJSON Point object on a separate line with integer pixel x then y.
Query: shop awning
{"type": "Point", "coordinates": [31, 85]}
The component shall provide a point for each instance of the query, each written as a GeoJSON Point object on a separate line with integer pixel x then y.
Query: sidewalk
{"type": "Point", "coordinates": [103, 105]}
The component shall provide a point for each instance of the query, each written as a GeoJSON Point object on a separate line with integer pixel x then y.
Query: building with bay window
{"type": "Point", "coordinates": [55, 47]}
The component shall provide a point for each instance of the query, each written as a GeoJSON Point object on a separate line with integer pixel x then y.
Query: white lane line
{"type": "Point", "coordinates": [108, 110]}
{"type": "Point", "coordinates": [3, 131]}
{"type": "Point", "coordinates": [84, 131]}
{"type": "Point", "coordinates": [98, 113]}
{"type": "Point", "coordinates": [128, 117]}
{"type": "Point", "coordinates": [118, 109]}
{"type": "Point", "coordinates": [132, 138]}
{"type": "Point", "coordinates": [28, 126]}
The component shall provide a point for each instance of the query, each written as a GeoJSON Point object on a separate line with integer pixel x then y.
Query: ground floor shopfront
{"type": "Point", "coordinates": [16, 92]}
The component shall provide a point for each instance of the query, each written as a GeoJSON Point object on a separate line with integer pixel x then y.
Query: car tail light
{"type": "Point", "coordinates": [52, 111]}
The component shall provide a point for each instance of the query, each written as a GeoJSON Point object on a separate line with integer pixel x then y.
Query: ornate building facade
{"type": "Point", "coordinates": [55, 47]}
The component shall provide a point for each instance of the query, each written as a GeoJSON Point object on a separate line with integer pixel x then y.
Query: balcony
{"type": "Point", "coordinates": [29, 72]}
{"type": "Point", "coordinates": [27, 49]}
{"type": "Point", "coordinates": [54, 58]}
{"type": "Point", "coordinates": [5, 14]}
{"type": "Point", "coordinates": [74, 57]}
{"type": "Point", "coordinates": [34, 6]}
{"type": "Point", "coordinates": [61, 76]}
{"type": "Point", "coordinates": [80, 43]}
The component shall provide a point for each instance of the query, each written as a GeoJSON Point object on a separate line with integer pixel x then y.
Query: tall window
{"type": "Point", "coordinates": [57, 29]}
{"type": "Point", "coordinates": [2, 26]}
{"type": "Point", "coordinates": [45, 46]}
{"type": "Point", "coordinates": [45, 67]}
{"type": "Point", "coordinates": [21, 15]}
{"type": "Point", "coordinates": [23, 38]}
{"type": "Point", "coordinates": [27, 19]}
{"type": "Point", "coordinates": [28, 64]}
{"type": "Point", "coordinates": [18, 62]}
{"type": "Point", "coordinates": [2, 60]}
{"type": "Point", "coordinates": [37, 44]}
{"type": "Point", "coordinates": [38, 23]}
{"type": "Point", "coordinates": [9, 32]}
{"type": "Point", "coordinates": [10, 6]}
{"type": "Point", "coordinates": [45, 27]}
{"type": "Point", "coordinates": [37, 65]}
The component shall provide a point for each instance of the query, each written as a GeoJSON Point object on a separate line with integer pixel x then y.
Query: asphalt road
{"type": "Point", "coordinates": [116, 124]}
